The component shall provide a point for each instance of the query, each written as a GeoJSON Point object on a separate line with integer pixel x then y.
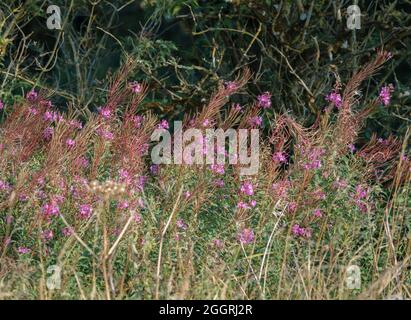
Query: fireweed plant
{"type": "Point", "coordinates": [84, 213]}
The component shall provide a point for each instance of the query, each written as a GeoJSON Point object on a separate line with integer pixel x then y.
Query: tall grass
{"type": "Point", "coordinates": [81, 202]}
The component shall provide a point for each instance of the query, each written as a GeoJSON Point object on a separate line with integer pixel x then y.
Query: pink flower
{"type": "Point", "coordinates": [247, 188]}
{"type": "Point", "coordinates": [47, 235]}
{"type": "Point", "coordinates": [340, 184]}
{"type": "Point", "coordinates": [1, 105]}
{"type": "Point", "coordinates": [206, 122]}
{"type": "Point", "coordinates": [138, 120]}
{"type": "Point", "coordinates": [76, 124]}
{"type": "Point", "coordinates": [317, 213]}
{"type": "Point", "coordinates": [48, 133]}
{"type": "Point", "coordinates": [335, 98]}
{"type": "Point", "coordinates": [23, 250]}
{"type": "Point", "coordinates": [70, 143]}
{"type": "Point", "coordinates": [124, 176]}
{"type": "Point", "coordinates": [33, 111]}
{"type": "Point", "coordinates": [246, 236]}
{"type": "Point", "coordinates": [163, 124]}
{"type": "Point", "coordinates": [231, 86]}
{"type": "Point", "coordinates": [31, 95]}
{"type": "Point", "coordinates": [105, 134]}
{"type": "Point", "coordinates": [66, 231]}
{"type": "Point", "coordinates": [50, 209]}
{"type": "Point", "coordinates": [242, 205]}
{"type": "Point", "coordinates": [351, 147]}
{"type": "Point", "coordinates": [219, 183]}
{"type": "Point", "coordinates": [154, 168]}
{"type": "Point", "coordinates": [360, 192]}
{"type": "Point", "coordinates": [136, 87]}
{"type": "Point", "coordinates": [280, 157]}
{"type": "Point", "coordinates": [253, 203]}
{"type": "Point", "coordinates": [237, 107]}
{"type": "Point", "coordinates": [255, 121]}
{"type": "Point", "coordinates": [299, 231]}
{"type": "Point", "coordinates": [264, 100]}
{"type": "Point", "coordinates": [187, 194]}
{"type": "Point", "coordinates": [82, 162]}
{"type": "Point", "coordinates": [85, 211]}
{"type": "Point", "coordinates": [137, 218]}
{"type": "Point", "coordinates": [4, 186]}
{"type": "Point", "coordinates": [217, 168]}
{"type": "Point", "coordinates": [385, 94]}
{"type": "Point", "coordinates": [181, 224]}
{"type": "Point", "coordinates": [296, 230]}
{"type": "Point", "coordinates": [105, 112]}
{"type": "Point", "coordinates": [122, 205]}
{"type": "Point", "coordinates": [292, 207]}
{"type": "Point", "coordinates": [140, 182]}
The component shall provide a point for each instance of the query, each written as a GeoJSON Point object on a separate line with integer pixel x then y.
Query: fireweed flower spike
{"type": "Point", "coordinates": [264, 100]}
{"type": "Point", "coordinates": [246, 236]}
{"type": "Point", "coordinates": [31, 95]}
{"type": "Point", "coordinates": [247, 188]}
{"type": "Point", "coordinates": [163, 124]}
{"type": "Point", "coordinates": [136, 87]}
{"type": "Point", "coordinates": [335, 98]}
{"type": "Point", "coordinates": [385, 94]}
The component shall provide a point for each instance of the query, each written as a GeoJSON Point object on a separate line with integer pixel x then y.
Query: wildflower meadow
{"type": "Point", "coordinates": [162, 178]}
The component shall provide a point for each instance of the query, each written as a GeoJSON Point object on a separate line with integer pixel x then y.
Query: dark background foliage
{"type": "Point", "coordinates": [295, 49]}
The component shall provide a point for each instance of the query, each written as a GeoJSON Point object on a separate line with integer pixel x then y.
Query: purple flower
{"type": "Point", "coordinates": [181, 224]}
{"type": "Point", "coordinates": [264, 100]}
{"type": "Point", "coordinates": [50, 209]}
{"type": "Point", "coordinates": [85, 211]}
{"type": "Point", "coordinates": [138, 120]}
{"type": "Point", "coordinates": [163, 124]}
{"type": "Point", "coordinates": [154, 168]}
{"type": "Point", "coordinates": [231, 86]}
{"type": "Point", "coordinates": [122, 205]}
{"type": "Point", "coordinates": [360, 192]}
{"type": "Point", "coordinates": [340, 184]}
{"type": "Point", "coordinates": [31, 95]}
{"type": "Point", "coordinates": [280, 157]}
{"type": "Point", "coordinates": [217, 168]}
{"type": "Point", "coordinates": [299, 231]}
{"type": "Point", "coordinates": [137, 218]}
{"type": "Point", "coordinates": [335, 98]}
{"type": "Point", "coordinates": [136, 87]}
{"type": "Point", "coordinates": [48, 133]}
{"type": "Point", "coordinates": [70, 143]}
{"type": "Point", "coordinates": [317, 213]}
{"type": "Point", "coordinates": [385, 94]}
{"type": "Point", "coordinates": [255, 121]}
{"type": "Point", "coordinates": [247, 188]}
{"type": "Point", "coordinates": [105, 134]}
{"type": "Point", "coordinates": [67, 231]}
{"type": "Point", "coordinates": [1, 105]}
{"type": "Point", "coordinates": [219, 183]}
{"type": "Point", "coordinates": [246, 236]}
{"type": "Point", "coordinates": [47, 235]}
{"type": "Point", "coordinates": [4, 186]}
{"type": "Point", "coordinates": [242, 205]}
{"type": "Point", "coordinates": [76, 124]}
{"type": "Point", "coordinates": [105, 112]}
{"type": "Point", "coordinates": [23, 250]}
